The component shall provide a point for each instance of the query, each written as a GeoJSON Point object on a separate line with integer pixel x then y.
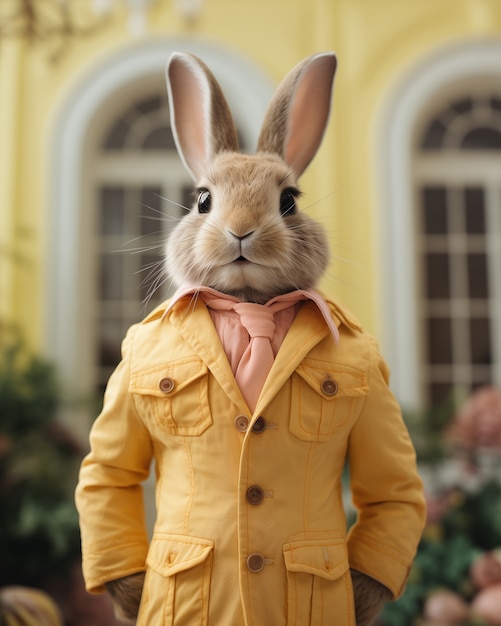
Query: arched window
{"type": "Point", "coordinates": [441, 210]}
{"type": "Point", "coordinates": [457, 160]}
{"type": "Point", "coordinates": [141, 191]}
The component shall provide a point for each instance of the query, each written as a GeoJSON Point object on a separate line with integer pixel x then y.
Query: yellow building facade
{"type": "Point", "coordinates": [385, 162]}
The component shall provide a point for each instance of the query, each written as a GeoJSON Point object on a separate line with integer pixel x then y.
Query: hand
{"type": "Point", "coordinates": [126, 595]}
{"type": "Point", "coordinates": [370, 597]}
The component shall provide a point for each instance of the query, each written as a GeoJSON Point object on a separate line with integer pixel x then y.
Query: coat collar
{"type": "Point", "coordinates": [307, 294]}
{"type": "Point", "coordinates": [192, 319]}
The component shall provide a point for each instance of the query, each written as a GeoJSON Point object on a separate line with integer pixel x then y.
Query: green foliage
{"type": "Point", "coordinates": [427, 430]}
{"type": "Point", "coordinates": [38, 463]}
{"type": "Point", "coordinates": [28, 393]}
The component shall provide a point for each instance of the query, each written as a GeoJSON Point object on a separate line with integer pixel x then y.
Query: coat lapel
{"type": "Point", "coordinates": [194, 323]}
{"type": "Point", "coordinates": [307, 330]}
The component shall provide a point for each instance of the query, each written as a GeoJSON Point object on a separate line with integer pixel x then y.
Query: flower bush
{"type": "Point", "coordinates": [456, 576]}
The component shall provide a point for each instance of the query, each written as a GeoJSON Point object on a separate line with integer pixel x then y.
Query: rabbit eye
{"type": "Point", "coordinates": [288, 202]}
{"type": "Point", "coordinates": [204, 201]}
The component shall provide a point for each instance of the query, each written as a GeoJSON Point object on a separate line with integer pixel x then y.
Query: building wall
{"type": "Point", "coordinates": [379, 43]}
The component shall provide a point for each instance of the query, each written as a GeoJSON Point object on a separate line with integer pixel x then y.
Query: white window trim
{"type": "Point", "coordinates": [437, 73]}
{"type": "Point", "coordinates": [248, 91]}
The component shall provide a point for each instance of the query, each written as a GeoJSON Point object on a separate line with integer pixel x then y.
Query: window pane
{"type": "Point", "coordinates": [477, 276]}
{"type": "Point", "coordinates": [462, 106]}
{"type": "Point", "coordinates": [111, 277]}
{"type": "Point", "coordinates": [440, 393]}
{"type": "Point", "coordinates": [437, 276]}
{"type": "Point", "coordinates": [434, 136]}
{"type": "Point", "coordinates": [111, 213]}
{"type": "Point", "coordinates": [151, 210]}
{"type": "Point", "coordinates": [435, 210]}
{"type": "Point", "coordinates": [480, 341]}
{"type": "Point", "coordinates": [496, 103]}
{"type": "Point", "coordinates": [159, 139]}
{"type": "Point", "coordinates": [439, 340]}
{"type": "Point", "coordinates": [151, 104]}
{"type": "Point", "coordinates": [115, 140]}
{"type": "Point", "coordinates": [475, 210]}
{"type": "Point", "coordinates": [110, 337]}
{"type": "Point", "coordinates": [482, 138]}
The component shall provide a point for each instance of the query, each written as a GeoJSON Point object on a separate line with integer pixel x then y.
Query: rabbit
{"type": "Point", "coordinates": [246, 238]}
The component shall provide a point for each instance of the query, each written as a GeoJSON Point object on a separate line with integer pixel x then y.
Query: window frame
{"type": "Point", "coordinates": [408, 104]}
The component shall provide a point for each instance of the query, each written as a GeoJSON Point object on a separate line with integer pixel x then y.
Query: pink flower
{"type": "Point", "coordinates": [478, 423]}
{"type": "Point", "coordinates": [436, 508]}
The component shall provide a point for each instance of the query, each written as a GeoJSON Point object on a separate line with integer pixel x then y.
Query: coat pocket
{"type": "Point", "coordinates": [319, 588]}
{"type": "Point", "coordinates": [324, 398]}
{"type": "Point", "coordinates": [175, 396]}
{"type": "Point", "coordinates": [177, 584]}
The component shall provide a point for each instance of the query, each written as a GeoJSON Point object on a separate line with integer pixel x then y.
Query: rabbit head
{"type": "Point", "coordinates": [245, 235]}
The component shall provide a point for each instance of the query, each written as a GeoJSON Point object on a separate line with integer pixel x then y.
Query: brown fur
{"type": "Point", "coordinates": [284, 253]}
{"type": "Point", "coordinates": [299, 85]}
{"type": "Point", "coordinates": [126, 595]}
{"type": "Point", "coordinates": [370, 598]}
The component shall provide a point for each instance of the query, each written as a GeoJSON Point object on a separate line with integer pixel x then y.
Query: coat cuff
{"type": "Point", "coordinates": [390, 571]}
{"type": "Point", "coordinates": [103, 566]}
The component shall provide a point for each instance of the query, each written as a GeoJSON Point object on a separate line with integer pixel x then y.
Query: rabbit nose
{"type": "Point", "coordinates": [241, 237]}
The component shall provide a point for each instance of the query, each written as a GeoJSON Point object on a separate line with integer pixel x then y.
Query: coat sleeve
{"type": "Point", "coordinates": [109, 495]}
{"type": "Point", "coordinates": [386, 488]}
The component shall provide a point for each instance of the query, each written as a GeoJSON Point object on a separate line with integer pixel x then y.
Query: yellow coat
{"type": "Point", "coordinates": [250, 527]}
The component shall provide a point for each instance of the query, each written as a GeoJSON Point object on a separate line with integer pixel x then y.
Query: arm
{"type": "Point", "coordinates": [109, 495]}
{"type": "Point", "coordinates": [387, 492]}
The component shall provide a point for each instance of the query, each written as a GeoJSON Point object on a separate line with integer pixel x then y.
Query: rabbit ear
{"type": "Point", "coordinates": [297, 116]}
{"type": "Point", "coordinates": [201, 121]}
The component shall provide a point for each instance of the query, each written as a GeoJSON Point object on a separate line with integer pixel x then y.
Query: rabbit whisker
{"type": "Point", "coordinates": [152, 266]}
{"type": "Point", "coordinates": [153, 209]}
{"type": "Point", "coordinates": [181, 206]}
{"type": "Point", "coordinates": [162, 218]}
{"type": "Point", "coordinates": [335, 281]}
{"type": "Point", "coordinates": [318, 200]}
{"type": "Point", "coordinates": [155, 271]}
{"type": "Point", "coordinates": [154, 281]}
{"type": "Point", "coordinates": [141, 250]}
{"type": "Point", "coordinates": [193, 302]}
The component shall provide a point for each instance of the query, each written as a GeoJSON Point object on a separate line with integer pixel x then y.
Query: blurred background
{"type": "Point", "coordinates": [407, 183]}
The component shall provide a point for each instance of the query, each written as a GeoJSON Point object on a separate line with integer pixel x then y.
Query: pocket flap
{"type": "Point", "coordinates": [170, 554]}
{"type": "Point", "coordinates": [326, 559]}
{"type": "Point", "coordinates": [331, 382]}
{"type": "Point", "coordinates": [178, 374]}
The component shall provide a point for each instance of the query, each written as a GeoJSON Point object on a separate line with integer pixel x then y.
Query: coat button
{"type": "Point", "coordinates": [259, 425]}
{"type": "Point", "coordinates": [255, 562]}
{"type": "Point", "coordinates": [255, 495]}
{"type": "Point", "coordinates": [166, 385]}
{"type": "Point", "coordinates": [241, 423]}
{"type": "Point", "coordinates": [329, 387]}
